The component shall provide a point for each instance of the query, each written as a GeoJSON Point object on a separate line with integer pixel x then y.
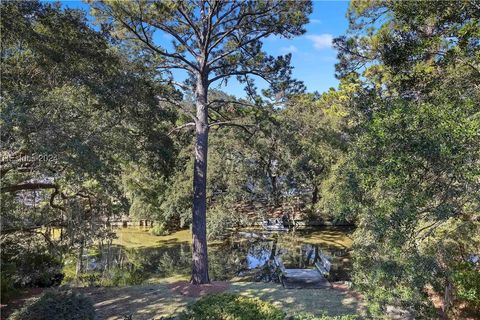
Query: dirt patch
{"type": "Point", "coordinates": [185, 288]}
{"type": "Point", "coordinates": [341, 286]}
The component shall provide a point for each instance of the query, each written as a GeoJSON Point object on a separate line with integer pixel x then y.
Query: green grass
{"type": "Point", "coordinates": [293, 301]}
{"type": "Point", "coordinates": [156, 301]}
{"type": "Point", "coordinates": [142, 238]}
{"type": "Point", "coordinates": [329, 236]}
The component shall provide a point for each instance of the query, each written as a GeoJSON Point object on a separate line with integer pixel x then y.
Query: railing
{"type": "Point", "coordinates": [323, 265]}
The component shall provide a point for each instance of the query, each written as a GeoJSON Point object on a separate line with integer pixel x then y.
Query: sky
{"type": "Point", "coordinates": [313, 57]}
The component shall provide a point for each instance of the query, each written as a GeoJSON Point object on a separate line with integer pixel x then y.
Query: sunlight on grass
{"type": "Point", "coordinates": [167, 280]}
{"type": "Point", "coordinates": [293, 301]}
{"type": "Point", "coordinates": [332, 237]}
{"type": "Point", "coordinates": [140, 237]}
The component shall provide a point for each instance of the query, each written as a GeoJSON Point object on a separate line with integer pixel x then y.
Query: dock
{"type": "Point", "coordinates": [301, 278]}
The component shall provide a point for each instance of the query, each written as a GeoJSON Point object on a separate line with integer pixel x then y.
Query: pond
{"type": "Point", "coordinates": [137, 256]}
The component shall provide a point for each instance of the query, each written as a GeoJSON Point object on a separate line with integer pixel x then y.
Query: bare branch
{"type": "Point", "coordinates": [52, 200]}
{"type": "Point", "coordinates": [190, 22]}
{"type": "Point", "coordinates": [185, 125]}
{"type": "Point", "coordinates": [188, 65]}
{"type": "Point", "coordinates": [240, 73]}
{"type": "Point", "coordinates": [240, 45]}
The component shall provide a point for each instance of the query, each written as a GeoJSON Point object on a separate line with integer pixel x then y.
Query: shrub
{"type": "Point", "coordinates": [122, 277]}
{"type": "Point", "coordinates": [231, 307]}
{"type": "Point", "coordinates": [159, 230]}
{"type": "Point", "coordinates": [467, 283]}
{"type": "Point", "coordinates": [8, 289]}
{"type": "Point", "coordinates": [57, 305]}
{"type": "Point", "coordinates": [29, 262]}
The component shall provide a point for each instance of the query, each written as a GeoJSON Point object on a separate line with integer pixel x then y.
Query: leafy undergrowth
{"type": "Point", "coordinates": [230, 306]}
{"type": "Point", "coordinates": [57, 305]}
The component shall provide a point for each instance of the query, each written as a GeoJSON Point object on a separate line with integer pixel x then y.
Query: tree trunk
{"type": "Point", "coordinates": [199, 216]}
{"type": "Point", "coordinates": [315, 195]}
{"type": "Point", "coordinates": [447, 299]}
{"type": "Point", "coordinates": [79, 269]}
{"type": "Point", "coordinates": [273, 252]}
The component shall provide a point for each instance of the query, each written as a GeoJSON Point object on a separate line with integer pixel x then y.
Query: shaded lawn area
{"type": "Point", "coordinates": [162, 300]}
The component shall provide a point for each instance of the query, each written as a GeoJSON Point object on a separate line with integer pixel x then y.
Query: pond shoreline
{"type": "Point", "coordinates": [136, 256]}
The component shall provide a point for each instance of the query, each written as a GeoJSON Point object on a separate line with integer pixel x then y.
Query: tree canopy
{"type": "Point", "coordinates": [412, 171]}
{"type": "Point", "coordinates": [97, 124]}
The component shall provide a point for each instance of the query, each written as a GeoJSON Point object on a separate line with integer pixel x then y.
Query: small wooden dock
{"type": "Point", "coordinates": [301, 278]}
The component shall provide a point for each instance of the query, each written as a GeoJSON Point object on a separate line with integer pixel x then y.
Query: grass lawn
{"type": "Point", "coordinates": [154, 301]}
{"type": "Point", "coordinates": [142, 238]}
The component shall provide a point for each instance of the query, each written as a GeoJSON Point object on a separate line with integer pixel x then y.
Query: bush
{"type": "Point", "coordinates": [8, 289]}
{"type": "Point", "coordinates": [120, 277]}
{"type": "Point", "coordinates": [231, 307]}
{"type": "Point", "coordinates": [57, 305]}
{"type": "Point", "coordinates": [159, 230]}
{"type": "Point", "coordinates": [467, 284]}
{"type": "Point", "coordinates": [29, 262]}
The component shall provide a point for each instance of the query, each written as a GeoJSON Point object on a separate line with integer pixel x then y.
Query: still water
{"type": "Point", "coordinates": [136, 256]}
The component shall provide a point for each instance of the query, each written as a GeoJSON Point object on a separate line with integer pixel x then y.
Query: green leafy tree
{"type": "Point", "coordinates": [314, 135]}
{"type": "Point", "coordinates": [74, 110]}
{"type": "Point", "coordinates": [411, 177]}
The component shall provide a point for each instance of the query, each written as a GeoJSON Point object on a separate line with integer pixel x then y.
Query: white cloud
{"type": "Point", "coordinates": [315, 21]}
{"type": "Point", "coordinates": [289, 49]}
{"type": "Point", "coordinates": [321, 41]}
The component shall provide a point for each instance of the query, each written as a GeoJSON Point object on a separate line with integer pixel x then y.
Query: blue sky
{"type": "Point", "coordinates": [313, 57]}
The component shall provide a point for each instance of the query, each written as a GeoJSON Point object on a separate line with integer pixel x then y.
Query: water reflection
{"type": "Point", "coordinates": [244, 253]}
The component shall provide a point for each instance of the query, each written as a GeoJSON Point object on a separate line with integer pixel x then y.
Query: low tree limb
{"type": "Point", "coordinates": [185, 125]}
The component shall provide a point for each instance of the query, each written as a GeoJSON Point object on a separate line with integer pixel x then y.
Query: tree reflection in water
{"type": "Point", "coordinates": [238, 255]}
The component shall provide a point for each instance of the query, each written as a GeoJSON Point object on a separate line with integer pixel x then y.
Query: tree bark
{"type": "Point", "coordinates": [199, 215]}
{"type": "Point", "coordinates": [315, 195]}
{"type": "Point", "coordinates": [273, 252]}
{"type": "Point", "coordinates": [79, 269]}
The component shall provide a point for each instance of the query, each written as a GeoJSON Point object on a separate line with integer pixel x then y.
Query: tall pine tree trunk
{"type": "Point", "coordinates": [315, 195]}
{"type": "Point", "coordinates": [199, 221]}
